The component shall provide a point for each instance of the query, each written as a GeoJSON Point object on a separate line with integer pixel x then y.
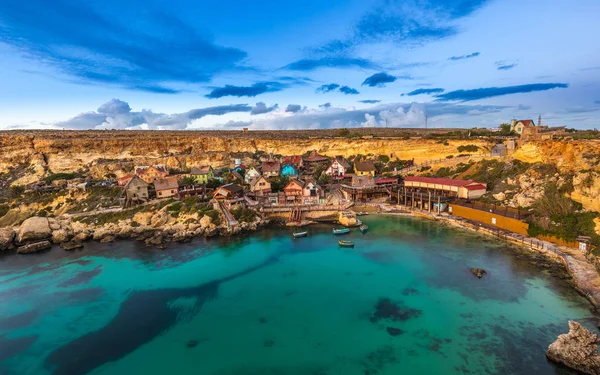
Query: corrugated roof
{"type": "Point", "coordinates": [315, 157]}
{"type": "Point", "coordinates": [201, 170]}
{"type": "Point", "coordinates": [438, 181]}
{"type": "Point", "coordinates": [476, 187]}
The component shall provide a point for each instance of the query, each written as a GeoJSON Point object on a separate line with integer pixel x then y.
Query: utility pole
{"type": "Point", "coordinates": [426, 122]}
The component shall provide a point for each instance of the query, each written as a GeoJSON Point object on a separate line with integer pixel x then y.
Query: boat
{"type": "Point", "coordinates": [341, 231]}
{"type": "Point", "coordinates": [364, 228]}
{"type": "Point", "coordinates": [346, 243]}
{"type": "Point", "coordinates": [300, 234]}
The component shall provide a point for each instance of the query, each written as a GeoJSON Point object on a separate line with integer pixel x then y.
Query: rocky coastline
{"type": "Point", "coordinates": [40, 233]}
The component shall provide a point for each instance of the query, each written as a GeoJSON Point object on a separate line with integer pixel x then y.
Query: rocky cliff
{"type": "Point", "coordinates": [577, 349]}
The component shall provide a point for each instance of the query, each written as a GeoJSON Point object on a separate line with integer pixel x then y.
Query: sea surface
{"type": "Point", "coordinates": [403, 301]}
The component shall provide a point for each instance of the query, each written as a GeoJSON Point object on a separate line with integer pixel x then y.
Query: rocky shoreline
{"type": "Point", "coordinates": [40, 233]}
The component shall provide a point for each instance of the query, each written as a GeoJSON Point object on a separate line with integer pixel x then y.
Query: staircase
{"type": "Point", "coordinates": [231, 221]}
{"type": "Point", "coordinates": [296, 215]}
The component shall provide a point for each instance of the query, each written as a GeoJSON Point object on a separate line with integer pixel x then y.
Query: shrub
{"type": "Point", "coordinates": [3, 209]}
{"type": "Point", "coordinates": [60, 176]}
{"type": "Point", "coordinates": [468, 148]}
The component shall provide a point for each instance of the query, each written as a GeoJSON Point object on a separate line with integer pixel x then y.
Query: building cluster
{"type": "Point", "coordinates": [309, 179]}
{"type": "Point", "coordinates": [528, 130]}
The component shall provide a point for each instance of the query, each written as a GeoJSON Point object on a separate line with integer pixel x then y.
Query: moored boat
{"type": "Point", "coordinates": [300, 234]}
{"type": "Point", "coordinates": [364, 228]}
{"type": "Point", "coordinates": [346, 243]}
{"type": "Point", "coordinates": [341, 231]}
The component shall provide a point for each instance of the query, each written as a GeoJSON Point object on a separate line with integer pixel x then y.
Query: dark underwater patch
{"type": "Point", "coordinates": [385, 309]}
{"type": "Point", "coordinates": [83, 277]}
{"type": "Point", "coordinates": [11, 347]}
{"type": "Point", "coordinates": [142, 317]}
{"type": "Point", "coordinates": [18, 321]}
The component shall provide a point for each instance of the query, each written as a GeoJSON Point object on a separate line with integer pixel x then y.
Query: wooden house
{"type": "Point", "coordinates": [364, 168]}
{"type": "Point", "coordinates": [337, 169]}
{"type": "Point", "coordinates": [311, 192]}
{"type": "Point", "coordinates": [136, 191]}
{"type": "Point", "coordinates": [166, 187]}
{"type": "Point", "coordinates": [229, 191]}
{"type": "Point", "coordinates": [260, 186]}
{"type": "Point", "coordinates": [293, 160]}
{"type": "Point", "coordinates": [289, 170]}
{"type": "Point", "coordinates": [271, 168]}
{"type": "Point", "coordinates": [202, 175]}
{"type": "Point", "coordinates": [251, 174]}
{"type": "Point", "coordinates": [151, 173]}
{"type": "Point", "coordinates": [294, 191]}
{"type": "Point", "coordinates": [123, 180]}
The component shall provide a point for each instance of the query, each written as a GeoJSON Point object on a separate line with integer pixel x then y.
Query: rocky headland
{"type": "Point", "coordinates": [577, 349]}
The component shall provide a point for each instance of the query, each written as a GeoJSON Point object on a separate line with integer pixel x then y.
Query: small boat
{"type": "Point", "coordinates": [364, 228]}
{"type": "Point", "coordinates": [300, 234]}
{"type": "Point", "coordinates": [341, 231]}
{"type": "Point", "coordinates": [346, 243]}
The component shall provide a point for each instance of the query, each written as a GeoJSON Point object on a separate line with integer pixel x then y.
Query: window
{"type": "Point", "coordinates": [494, 220]}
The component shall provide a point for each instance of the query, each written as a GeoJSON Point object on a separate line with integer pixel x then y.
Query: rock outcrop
{"type": "Point", "coordinates": [34, 229]}
{"type": "Point", "coordinates": [7, 235]}
{"type": "Point", "coordinates": [577, 349]}
{"type": "Point", "coordinates": [479, 272]}
{"type": "Point", "coordinates": [34, 247]}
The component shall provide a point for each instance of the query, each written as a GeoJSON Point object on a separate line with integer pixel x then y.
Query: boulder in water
{"type": "Point", "coordinates": [34, 229]}
{"type": "Point", "coordinates": [479, 272]}
{"type": "Point", "coordinates": [577, 349]}
{"type": "Point", "coordinates": [34, 247]}
{"type": "Point", "coordinates": [7, 235]}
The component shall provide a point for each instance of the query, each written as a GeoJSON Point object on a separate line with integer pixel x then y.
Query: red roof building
{"type": "Point", "coordinates": [467, 189]}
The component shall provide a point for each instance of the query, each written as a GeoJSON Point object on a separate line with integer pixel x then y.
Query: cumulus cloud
{"type": "Point", "coordinates": [325, 105]}
{"type": "Point", "coordinates": [261, 108]}
{"type": "Point", "coordinates": [117, 114]}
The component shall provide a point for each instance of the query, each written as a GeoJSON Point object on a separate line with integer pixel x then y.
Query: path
{"type": "Point", "coordinates": [438, 161]}
{"type": "Point", "coordinates": [231, 221]}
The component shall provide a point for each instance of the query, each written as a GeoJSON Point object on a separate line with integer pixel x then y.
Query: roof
{"type": "Point", "coordinates": [201, 170]}
{"type": "Point", "coordinates": [237, 175]}
{"type": "Point", "coordinates": [242, 166]}
{"type": "Point", "coordinates": [289, 165]}
{"type": "Point", "coordinates": [271, 166]}
{"type": "Point", "coordinates": [126, 177]}
{"type": "Point", "coordinates": [256, 179]}
{"type": "Point", "coordinates": [293, 182]}
{"type": "Point", "coordinates": [343, 162]}
{"type": "Point", "coordinates": [315, 157]}
{"type": "Point", "coordinates": [476, 187]}
{"type": "Point", "coordinates": [439, 181]}
{"type": "Point", "coordinates": [135, 179]}
{"type": "Point", "coordinates": [166, 183]}
{"type": "Point", "coordinates": [313, 181]}
{"type": "Point", "coordinates": [141, 169]}
{"type": "Point", "coordinates": [364, 166]}
{"type": "Point", "coordinates": [526, 122]}
{"type": "Point", "coordinates": [233, 188]}
{"type": "Point", "coordinates": [386, 180]}
{"type": "Point", "coordinates": [293, 159]}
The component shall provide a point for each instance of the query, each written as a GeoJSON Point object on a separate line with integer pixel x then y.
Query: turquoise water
{"type": "Point", "coordinates": [401, 302]}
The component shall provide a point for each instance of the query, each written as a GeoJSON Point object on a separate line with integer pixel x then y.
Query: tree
{"type": "Point", "coordinates": [505, 129]}
{"type": "Point", "coordinates": [188, 181]}
{"type": "Point", "coordinates": [278, 183]}
{"type": "Point", "coordinates": [213, 183]}
{"type": "Point", "coordinates": [323, 180]}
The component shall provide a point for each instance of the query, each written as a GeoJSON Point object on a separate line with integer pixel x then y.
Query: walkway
{"type": "Point", "coordinates": [231, 221]}
{"type": "Point", "coordinates": [427, 163]}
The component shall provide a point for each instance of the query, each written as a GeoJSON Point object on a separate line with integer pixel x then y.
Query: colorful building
{"type": "Point", "coordinates": [466, 189]}
{"type": "Point", "coordinates": [364, 168]}
{"type": "Point", "coordinates": [202, 175]}
{"type": "Point", "coordinates": [271, 168]}
{"type": "Point", "coordinates": [151, 173]}
{"type": "Point", "coordinates": [337, 169]}
{"type": "Point", "coordinates": [294, 191]}
{"type": "Point", "coordinates": [260, 186]}
{"type": "Point", "coordinates": [289, 170]}
{"type": "Point", "coordinates": [251, 174]}
{"type": "Point", "coordinates": [166, 187]}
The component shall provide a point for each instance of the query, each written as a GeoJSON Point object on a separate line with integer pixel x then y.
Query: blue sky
{"type": "Point", "coordinates": [183, 64]}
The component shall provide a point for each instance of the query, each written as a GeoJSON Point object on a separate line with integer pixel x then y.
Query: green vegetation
{"type": "Point", "coordinates": [278, 183]}
{"type": "Point", "coordinates": [384, 159]}
{"type": "Point", "coordinates": [560, 216]}
{"type": "Point", "coordinates": [492, 172]}
{"type": "Point", "coordinates": [243, 214]}
{"type": "Point", "coordinates": [97, 197]}
{"type": "Point", "coordinates": [468, 148]}
{"type": "Point", "coordinates": [60, 176]}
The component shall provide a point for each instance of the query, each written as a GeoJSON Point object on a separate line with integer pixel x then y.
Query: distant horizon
{"type": "Point", "coordinates": [338, 64]}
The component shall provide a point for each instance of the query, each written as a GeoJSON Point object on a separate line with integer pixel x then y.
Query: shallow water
{"type": "Point", "coordinates": [266, 304]}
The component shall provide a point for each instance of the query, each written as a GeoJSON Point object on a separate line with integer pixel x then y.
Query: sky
{"type": "Point", "coordinates": [195, 64]}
